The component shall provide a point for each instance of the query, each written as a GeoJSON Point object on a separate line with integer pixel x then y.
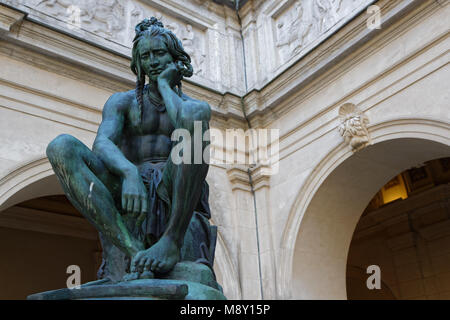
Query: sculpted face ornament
{"type": "Point", "coordinates": [353, 127]}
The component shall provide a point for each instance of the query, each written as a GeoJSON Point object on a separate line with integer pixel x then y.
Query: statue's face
{"type": "Point", "coordinates": [154, 56]}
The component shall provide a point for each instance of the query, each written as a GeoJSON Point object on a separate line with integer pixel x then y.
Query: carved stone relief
{"type": "Point", "coordinates": [198, 57]}
{"type": "Point", "coordinates": [115, 20]}
{"type": "Point", "coordinates": [305, 21]}
{"type": "Point", "coordinates": [353, 127]}
{"type": "Point", "coordinates": [107, 18]}
{"type": "Point", "coordinates": [293, 29]}
{"type": "Point", "coordinates": [137, 14]}
{"type": "Point", "coordinates": [192, 44]}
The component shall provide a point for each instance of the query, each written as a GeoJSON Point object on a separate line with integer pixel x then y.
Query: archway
{"type": "Point", "coordinates": [324, 216]}
{"type": "Point", "coordinates": [32, 179]}
{"type": "Point", "coordinates": [40, 239]}
{"type": "Point", "coordinates": [404, 234]}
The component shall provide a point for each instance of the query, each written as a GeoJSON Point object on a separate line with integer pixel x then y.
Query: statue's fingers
{"type": "Point", "coordinates": [124, 202]}
{"type": "Point", "coordinates": [144, 205]}
{"type": "Point", "coordinates": [140, 219]}
{"type": "Point", "coordinates": [179, 66]}
{"type": "Point", "coordinates": [136, 207]}
{"type": "Point", "coordinates": [130, 204]}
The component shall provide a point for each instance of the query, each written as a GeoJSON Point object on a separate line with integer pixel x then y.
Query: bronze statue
{"type": "Point", "coordinates": [150, 212]}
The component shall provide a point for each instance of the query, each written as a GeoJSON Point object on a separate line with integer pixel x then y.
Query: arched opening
{"type": "Point", "coordinates": [39, 239]}
{"type": "Point", "coordinates": [405, 232]}
{"type": "Point", "coordinates": [328, 220]}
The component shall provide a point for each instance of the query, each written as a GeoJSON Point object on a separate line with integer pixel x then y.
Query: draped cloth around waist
{"type": "Point", "coordinates": [158, 180]}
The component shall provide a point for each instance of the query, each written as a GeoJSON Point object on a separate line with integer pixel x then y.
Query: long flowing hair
{"type": "Point", "coordinates": [146, 29]}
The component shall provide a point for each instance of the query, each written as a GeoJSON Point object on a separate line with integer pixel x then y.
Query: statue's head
{"type": "Point", "coordinates": [154, 47]}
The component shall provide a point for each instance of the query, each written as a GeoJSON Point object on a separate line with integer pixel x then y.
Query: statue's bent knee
{"type": "Point", "coordinates": [60, 147]}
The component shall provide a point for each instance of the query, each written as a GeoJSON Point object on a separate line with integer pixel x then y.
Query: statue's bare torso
{"type": "Point", "coordinates": [148, 140]}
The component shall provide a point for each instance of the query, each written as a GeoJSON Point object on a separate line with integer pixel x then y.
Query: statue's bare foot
{"type": "Point", "coordinates": [131, 276]}
{"type": "Point", "coordinates": [147, 275]}
{"type": "Point", "coordinates": [137, 275]}
{"type": "Point", "coordinates": [160, 258]}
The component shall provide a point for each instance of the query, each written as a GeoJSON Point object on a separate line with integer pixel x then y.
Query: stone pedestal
{"type": "Point", "coordinates": [187, 281]}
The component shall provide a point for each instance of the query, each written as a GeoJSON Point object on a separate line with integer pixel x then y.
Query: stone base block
{"type": "Point", "coordinates": [187, 281]}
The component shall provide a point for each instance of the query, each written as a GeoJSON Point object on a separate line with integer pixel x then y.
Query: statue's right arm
{"type": "Point", "coordinates": [134, 193]}
{"type": "Point", "coordinates": [109, 135]}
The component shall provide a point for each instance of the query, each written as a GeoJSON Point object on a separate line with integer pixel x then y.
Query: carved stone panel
{"type": "Point", "coordinates": [193, 44]}
{"type": "Point", "coordinates": [300, 23]}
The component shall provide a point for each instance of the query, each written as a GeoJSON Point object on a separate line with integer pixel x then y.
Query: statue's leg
{"type": "Point", "coordinates": [84, 179]}
{"type": "Point", "coordinates": [185, 182]}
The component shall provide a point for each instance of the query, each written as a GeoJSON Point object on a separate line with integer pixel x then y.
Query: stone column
{"type": "Point", "coordinates": [254, 231]}
{"type": "Point", "coordinates": [245, 230]}
{"type": "Point", "coordinates": [261, 188]}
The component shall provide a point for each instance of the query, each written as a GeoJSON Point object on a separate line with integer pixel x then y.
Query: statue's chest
{"type": "Point", "coordinates": [152, 122]}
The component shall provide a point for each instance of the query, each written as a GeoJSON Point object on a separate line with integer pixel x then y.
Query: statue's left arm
{"type": "Point", "coordinates": [177, 108]}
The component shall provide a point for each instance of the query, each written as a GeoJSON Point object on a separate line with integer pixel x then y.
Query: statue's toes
{"type": "Point", "coordinates": [163, 268]}
{"type": "Point", "coordinates": [154, 266]}
{"type": "Point", "coordinates": [148, 263]}
{"type": "Point", "coordinates": [147, 275]}
{"type": "Point", "coordinates": [131, 276]}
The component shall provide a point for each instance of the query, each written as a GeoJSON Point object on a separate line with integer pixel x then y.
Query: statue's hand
{"type": "Point", "coordinates": [134, 196]}
{"type": "Point", "coordinates": [171, 74]}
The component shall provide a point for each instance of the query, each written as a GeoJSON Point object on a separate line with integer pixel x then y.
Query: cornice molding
{"type": "Point", "coordinates": [10, 18]}
{"type": "Point", "coordinates": [260, 177]}
{"type": "Point", "coordinates": [238, 176]}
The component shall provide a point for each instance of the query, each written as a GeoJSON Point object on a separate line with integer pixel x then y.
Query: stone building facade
{"type": "Point", "coordinates": [357, 91]}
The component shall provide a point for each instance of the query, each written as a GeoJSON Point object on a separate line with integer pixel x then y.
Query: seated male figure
{"type": "Point", "coordinates": [128, 187]}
